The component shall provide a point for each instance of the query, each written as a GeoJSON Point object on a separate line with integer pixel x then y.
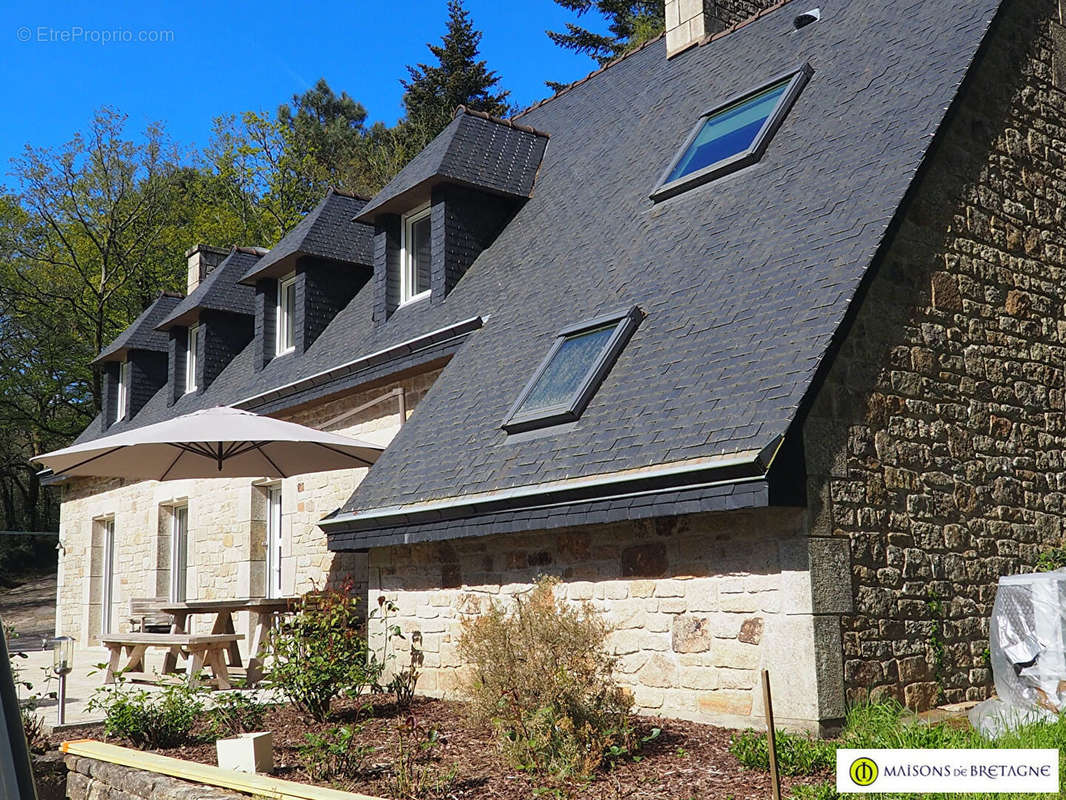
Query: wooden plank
{"type": "Point", "coordinates": [215, 606]}
{"type": "Point", "coordinates": [261, 785]}
{"type": "Point", "coordinates": [170, 639]}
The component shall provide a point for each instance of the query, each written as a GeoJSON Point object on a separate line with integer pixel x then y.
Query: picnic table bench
{"type": "Point", "coordinates": [206, 649]}
{"type": "Point", "coordinates": [263, 610]}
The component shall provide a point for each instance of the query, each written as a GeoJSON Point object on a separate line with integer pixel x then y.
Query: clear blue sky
{"type": "Point", "coordinates": [225, 57]}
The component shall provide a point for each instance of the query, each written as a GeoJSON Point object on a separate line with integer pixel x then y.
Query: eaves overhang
{"type": "Point", "coordinates": [728, 481]}
{"type": "Point", "coordinates": [337, 378]}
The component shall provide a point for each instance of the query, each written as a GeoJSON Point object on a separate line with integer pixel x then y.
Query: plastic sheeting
{"type": "Point", "coordinates": [1027, 645]}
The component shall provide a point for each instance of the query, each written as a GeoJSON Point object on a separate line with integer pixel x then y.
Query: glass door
{"type": "Point", "coordinates": [179, 554]}
{"type": "Point", "coordinates": [107, 577]}
{"type": "Point", "coordinates": [274, 541]}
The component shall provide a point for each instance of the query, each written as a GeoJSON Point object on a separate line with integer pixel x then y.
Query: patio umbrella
{"type": "Point", "coordinates": [214, 443]}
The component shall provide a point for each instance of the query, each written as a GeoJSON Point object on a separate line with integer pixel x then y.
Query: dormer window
{"type": "Point", "coordinates": [122, 391]}
{"type": "Point", "coordinates": [285, 339]}
{"type": "Point", "coordinates": [192, 342]}
{"type": "Point", "coordinates": [416, 252]}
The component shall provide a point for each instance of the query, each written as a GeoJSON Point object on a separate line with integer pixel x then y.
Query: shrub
{"type": "Point", "coordinates": [334, 753]}
{"type": "Point", "coordinates": [321, 653]}
{"type": "Point", "coordinates": [1051, 560]}
{"type": "Point", "coordinates": [234, 713]}
{"type": "Point", "coordinates": [796, 755]}
{"type": "Point", "coordinates": [415, 773]}
{"type": "Point", "coordinates": [543, 678]}
{"type": "Point", "coordinates": [818, 791]}
{"type": "Point", "coordinates": [149, 719]}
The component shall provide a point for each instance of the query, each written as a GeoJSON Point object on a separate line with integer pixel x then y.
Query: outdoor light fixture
{"type": "Point", "coordinates": [62, 664]}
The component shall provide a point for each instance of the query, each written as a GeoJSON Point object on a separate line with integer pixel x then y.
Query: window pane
{"type": "Point", "coordinates": [421, 249]}
{"type": "Point", "coordinates": [568, 368]}
{"type": "Point", "coordinates": [728, 132]}
{"type": "Point", "coordinates": [288, 315]}
{"type": "Point", "coordinates": [190, 358]}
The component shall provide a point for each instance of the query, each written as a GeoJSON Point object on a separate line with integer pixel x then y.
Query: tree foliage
{"type": "Point", "coordinates": [92, 231]}
{"type": "Point", "coordinates": [630, 25]}
{"type": "Point", "coordinates": [458, 78]}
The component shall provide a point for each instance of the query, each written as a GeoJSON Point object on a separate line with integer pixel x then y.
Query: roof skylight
{"type": "Point", "coordinates": [732, 135]}
{"type": "Point", "coordinates": [570, 374]}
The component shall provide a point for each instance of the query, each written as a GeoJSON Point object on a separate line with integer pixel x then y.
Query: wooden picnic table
{"type": "Point", "coordinates": [263, 611]}
{"type": "Point", "coordinates": [202, 650]}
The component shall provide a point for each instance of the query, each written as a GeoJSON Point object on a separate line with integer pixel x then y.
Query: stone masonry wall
{"type": "Point", "coordinates": [935, 447]}
{"type": "Point", "coordinates": [699, 604]}
{"type": "Point", "coordinates": [92, 780]}
{"type": "Point", "coordinates": [226, 524]}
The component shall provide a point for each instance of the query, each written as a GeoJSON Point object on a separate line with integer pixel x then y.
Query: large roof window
{"type": "Point", "coordinates": [732, 135]}
{"type": "Point", "coordinates": [572, 371]}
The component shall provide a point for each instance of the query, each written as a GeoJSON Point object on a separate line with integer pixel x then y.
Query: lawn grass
{"type": "Point", "coordinates": [887, 725]}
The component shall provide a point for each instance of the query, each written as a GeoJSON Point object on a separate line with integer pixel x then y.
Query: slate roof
{"type": "Point", "coordinates": [327, 231]}
{"type": "Point", "coordinates": [744, 280]}
{"type": "Point", "coordinates": [219, 291]}
{"type": "Point", "coordinates": [141, 333]}
{"type": "Point", "coordinates": [476, 150]}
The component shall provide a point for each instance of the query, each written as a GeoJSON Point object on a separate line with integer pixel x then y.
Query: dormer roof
{"type": "Point", "coordinates": [141, 333]}
{"type": "Point", "coordinates": [219, 291]}
{"type": "Point", "coordinates": [495, 155]}
{"type": "Point", "coordinates": [327, 231]}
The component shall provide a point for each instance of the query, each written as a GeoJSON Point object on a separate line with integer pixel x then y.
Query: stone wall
{"type": "Point", "coordinates": [699, 604]}
{"type": "Point", "coordinates": [226, 524]}
{"type": "Point", "coordinates": [935, 447]}
{"type": "Point", "coordinates": [91, 780]}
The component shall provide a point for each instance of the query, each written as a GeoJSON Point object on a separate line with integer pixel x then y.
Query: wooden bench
{"type": "Point", "coordinates": [202, 650]}
{"type": "Point", "coordinates": [147, 616]}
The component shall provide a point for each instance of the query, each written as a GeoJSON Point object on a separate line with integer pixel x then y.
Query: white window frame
{"type": "Point", "coordinates": [107, 575]}
{"type": "Point", "coordinates": [179, 553]}
{"type": "Point", "coordinates": [192, 341]}
{"type": "Point", "coordinates": [281, 317]}
{"type": "Point", "coordinates": [122, 390]}
{"type": "Point", "coordinates": [407, 265]}
{"type": "Point", "coordinates": [275, 541]}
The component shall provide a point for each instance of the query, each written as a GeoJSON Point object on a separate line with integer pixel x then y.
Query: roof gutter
{"type": "Point", "coordinates": [746, 465]}
{"type": "Point", "coordinates": [407, 347]}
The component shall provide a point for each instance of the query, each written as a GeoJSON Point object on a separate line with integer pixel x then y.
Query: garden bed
{"type": "Point", "coordinates": [686, 760]}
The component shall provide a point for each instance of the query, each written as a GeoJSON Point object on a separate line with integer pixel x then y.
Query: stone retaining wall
{"type": "Point", "coordinates": [89, 779]}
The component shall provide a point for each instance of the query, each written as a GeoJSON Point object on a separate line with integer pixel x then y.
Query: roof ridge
{"type": "Point", "coordinates": [618, 59]}
{"type": "Point", "coordinates": [510, 123]}
{"type": "Point", "coordinates": [250, 250]}
{"type": "Point", "coordinates": [345, 193]}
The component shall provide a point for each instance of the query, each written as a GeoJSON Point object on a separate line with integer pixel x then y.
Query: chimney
{"type": "Point", "coordinates": [689, 21]}
{"type": "Point", "coordinates": [202, 259]}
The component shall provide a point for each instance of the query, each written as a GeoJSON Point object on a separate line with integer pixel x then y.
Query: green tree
{"type": "Point", "coordinates": [84, 251]}
{"type": "Point", "coordinates": [264, 175]}
{"type": "Point", "coordinates": [459, 78]}
{"type": "Point", "coordinates": [83, 248]}
{"type": "Point", "coordinates": [328, 128]}
{"type": "Point", "coordinates": [630, 25]}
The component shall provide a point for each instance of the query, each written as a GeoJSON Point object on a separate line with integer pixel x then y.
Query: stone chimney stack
{"type": "Point", "coordinates": [202, 259]}
{"type": "Point", "coordinates": [689, 21]}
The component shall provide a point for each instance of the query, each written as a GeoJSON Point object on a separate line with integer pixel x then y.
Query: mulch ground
{"type": "Point", "coordinates": [686, 761]}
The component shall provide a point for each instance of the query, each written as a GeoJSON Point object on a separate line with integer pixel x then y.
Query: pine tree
{"type": "Point", "coordinates": [328, 122]}
{"type": "Point", "coordinates": [630, 23]}
{"type": "Point", "coordinates": [459, 78]}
